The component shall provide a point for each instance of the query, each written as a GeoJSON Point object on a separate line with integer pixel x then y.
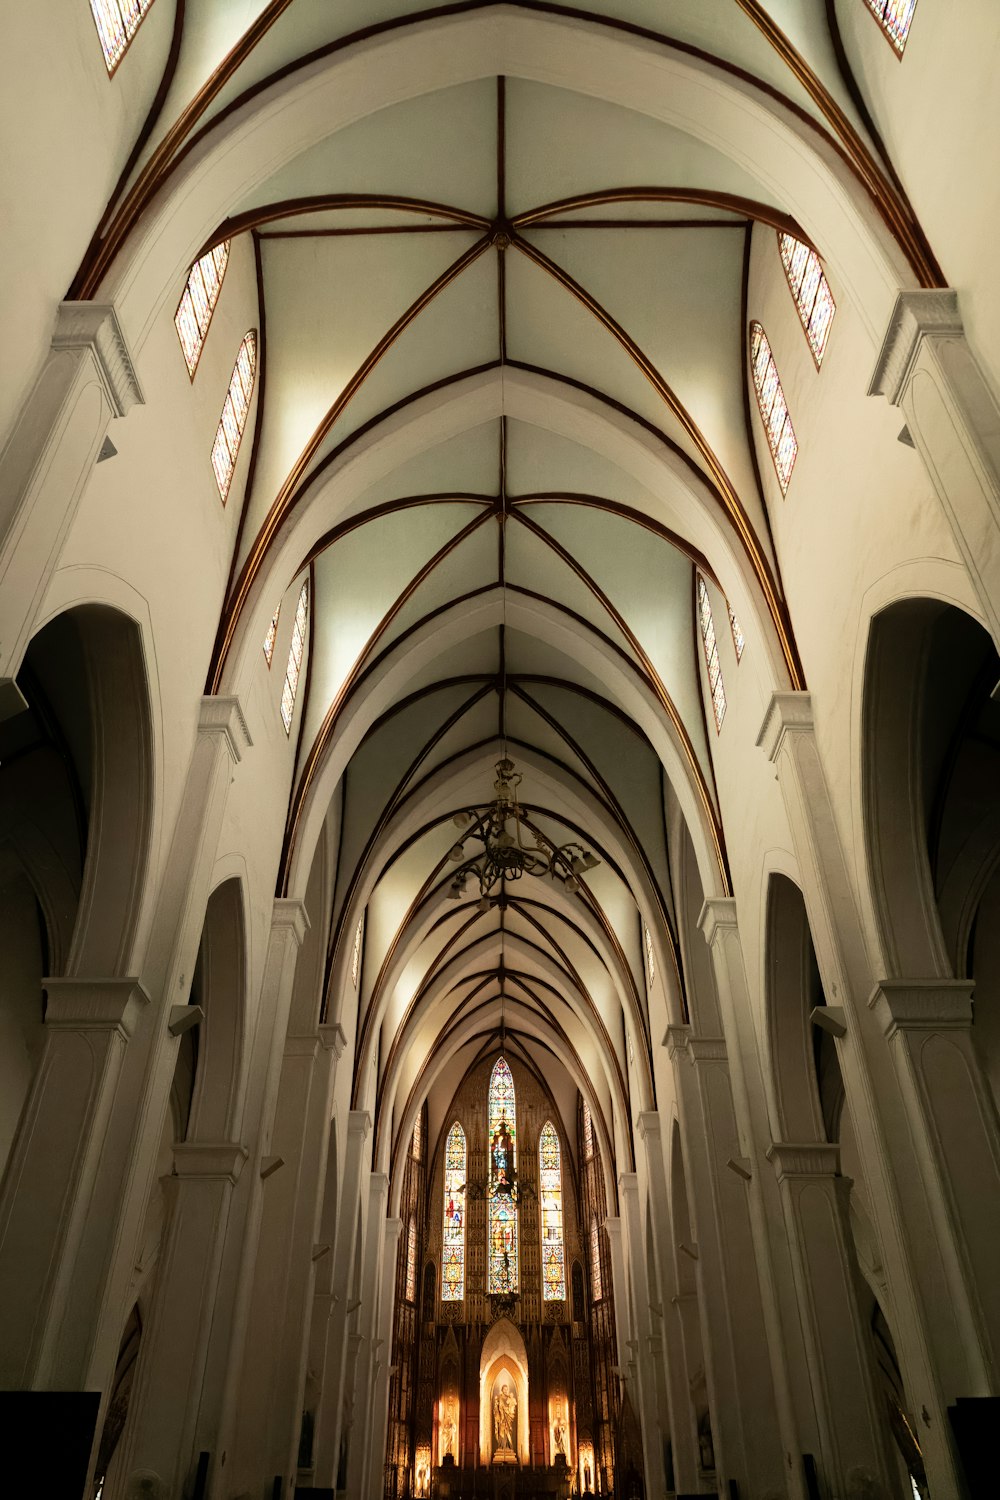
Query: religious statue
{"type": "Point", "coordinates": [559, 1438]}
{"type": "Point", "coordinates": [504, 1422]}
{"type": "Point", "coordinates": [502, 1157]}
{"type": "Point", "coordinates": [448, 1433]}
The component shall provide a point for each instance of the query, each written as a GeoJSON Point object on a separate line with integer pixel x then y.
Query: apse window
{"type": "Point", "coordinates": [197, 304]}
{"type": "Point", "coordinates": [739, 639]}
{"type": "Point", "coordinates": [894, 16]}
{"type": "Point", "coordinates": [810, 291]}
{"type": "Point", "coordinates": [234, 415]}
{"type": "Point", "coordinates": [453, 1247]}
{"type": "Point", "coordinates": [356, 958]}
{"type": "Point", "coordinates": [117, 22]}
{"type": "Point", "coordinates": [295, 653]}
{"type": "Point", "coordinates": [272, 631]}
{"type": "Point", "coordinates": [711, 646]}
{"type": "Point", "coordinates": [502, 1214]}
{"type": "Point", "coordinates": [550, 1183]}
{"type": "Point", "coordinates": [772, 406]}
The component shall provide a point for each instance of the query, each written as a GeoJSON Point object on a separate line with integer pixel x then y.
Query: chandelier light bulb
{"type": "Point", "coordinates": [572, 884]}
{"type": "Point", "coordinates": [456, 851]}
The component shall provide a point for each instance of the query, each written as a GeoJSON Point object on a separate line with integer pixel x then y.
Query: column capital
{"type": "Point", "coordinates": [94, 326]}
{"type": "Point", "coordinates": [922, 1005]}
{"type": "Point", "coordinates": [628, 1184]}
{"type": "Point", "coordinates": [718, 914]}
{"type": "Point", "coordinates": [359, 1122]}
{"type": "Point", "coordinates": [698, 1049]}
{"type": "Point", "coordinates": [676, 1039]}
{"type": "Point", "coordinates": [804, 1159]}
{"type": "Point", "coordinates": [288, 914]}
{"type": "Point", "coordinates": [915, 315]}
{"type": "Point", "coordinates": [332, 1038]}
{"type": "Point", "coordinates": [648, 1125]}
{"type": "Point", "coordinates": [225, 716]}
{"type": "Point", "coordinates": [787, 713]}
{"type": "Point", "coordinates": [219, 1161]}
{"type": "Point", "coordinates": [79, 1004]}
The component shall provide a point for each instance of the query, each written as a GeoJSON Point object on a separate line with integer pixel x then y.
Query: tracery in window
{"type": "Point", "coordinates": [894, 16]}
{"type": "Point", "coordinates": [588, 1134]}
{"type": "Point", "coordinates": [272, 631]}
{"type": "Point", "coordinates": [234, 415]}
{"type": "Point", "coordinates": [650, 960]}
{"type": "Point", "coordinates": [294, 667]}
{"type": "Point", "coordinates": [772, 405]}
{"type": "Point", "coordinates": [596, 1282]}
{"type": "Point", "coordinates": [711, 646]}
{"type": "Point", "coordinates": [810, 290]}
{"type": "Point", "coordinates": [550, 1185]}
{"type": "Point", "coordinates": [503, 1171]}
{"type": "Point", "coordinates": [197, 304]}
{"type": "Point", "coordinates": [739, 639]}
{"type": "Point", "coordinates": [411, 1261]}
{"type": "Point", "coordinates": [356, 961]}
{"type": "Point", "coordinates": [453, 1251]}
{"type": "Point", "coordinates": [117, 23]}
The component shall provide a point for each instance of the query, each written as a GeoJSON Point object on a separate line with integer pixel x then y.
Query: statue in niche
{"type": "Point", "coordinates": [559, 1439]}
{"type": "Point", "coordinates": [504, 1422]}
{"type": "Point", "coordinates": [448, 1433]}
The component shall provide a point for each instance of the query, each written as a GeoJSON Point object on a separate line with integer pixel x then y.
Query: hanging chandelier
{"type": "Point", "coordinates": [509, 850]}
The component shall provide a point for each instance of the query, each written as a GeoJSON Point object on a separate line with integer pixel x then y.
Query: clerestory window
{"type": "Point", "coordinates": [894, 17]}
{"type": "Point", "coordinates": [226, 447]}
{"type": "Point", "coordinates": [810, 291]}
{"type": "Point", "coordinates": [772, 406]}
{"type": "Point", "coordinates": [117, 22]}
{"type": "Point", "coordinates": [711, 647]}
{"type": "Point", "coordinates": [197, 304]}
{"type": "Point", "coordinates": [295, 653]}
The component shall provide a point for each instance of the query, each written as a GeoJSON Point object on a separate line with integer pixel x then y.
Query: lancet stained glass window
{"type": "Point", "coordinates": [596, 1280]}
{"type": "Point", "coordinates": [503, 1172]}
{"type": "Point", "coordinates": [453, 1249]}
{"type": "Point", "coordinates": [234, 415]}
{"type": "Point", "coordinates": [197, 304]}
{"type": "Point", "coordinates": [356, 956]}
{"type": "Point", "coordinates": [411, 1261]}
{"type": "Point", "coordinates": [550, 1185]}
{"type": "Point", "coordinates": [294, 667]}
{"type": "Point", "coordinates": [650, 960]}
{"type": "Point", "coordinates": [810, 290]}
{"type": "Point", "coordinates": [739, 639]}
{"type": "Point", "coordinates": [711, 646]}
{"type": "Point", "coordinates": [588, 1134]}
{"type": "Point", "coordinates": [894, 17]}
{"type": "Point", "coordinates": [417, 1144]}
{"type": "Point", "coordinates": [272, 631]}
{"type": "Point", "coordinates": [117, 23]}
{"type": "Point", "coordinates": [772, 405]}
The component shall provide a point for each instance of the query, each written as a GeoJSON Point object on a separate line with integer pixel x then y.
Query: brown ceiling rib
{"type": "Point", "coordinates": [744, 208]}
{"type": "Point", "coordinates": [293, 208]}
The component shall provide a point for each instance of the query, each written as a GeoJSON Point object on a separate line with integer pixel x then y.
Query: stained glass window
{"type": "Point", "coordinates": [811, 291]}
{"type": "Point", "coordinates": [596, 1282]}
{"type": "Point", "coordinates": [711, 646]}
{"type": "Point", "coordinates": [197, 304]}
{"type": "Point", "coordinates": [417, 1144]}
{"type": "Point", "coordinates": [292, 670]}
{"type": "Point", "coordinates": [117, 23]}
{"type": "Point", "coordinates": [588, 1134]}
{"type": "Point", "coordinates": [411, 1262]}
{"type": "Point", "coordinates": [773, 410]}
{"type": "Point", "coordinates": [895, 17]}
{"type": "Point", "coordinates": [503, 1174]}
{"type": "Point", "coordinates": [550, 1185]}
{"type": "Point", "coordinates": [739, 639]}
{"type": "Point", "coordinates": [356, 957]}
{"type": "Point", "coordinates": [453, 1250]}
{"type": "Point", "coordinates": [272, 631]}
{"type": "Point", "coordinates": [650, 960]}
{"type": "Point", "coordinates": [234, 415]}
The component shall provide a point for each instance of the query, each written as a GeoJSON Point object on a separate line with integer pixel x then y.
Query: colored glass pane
{"type": "Point", "coordinates": [272, 631]}
{"type": "Point", "coordinates": [503, 1244]}
{"type": "Point", "coordinates": [650, 960]}
{"type": "Point", "coordinates": [356, 952]}
{"type": "Point", "coordinates": [772, 406]}
{"type": "Point", "coordinates": [117, 23]}
{"type": "Point", "coordinates": [411, 1262]}
{"type": "Point", "coordinates": [596, 1280]}
{"type": "Point", "coordinates": [417, 1144]}
{"type": "Point", "coordinates": [895, 17]}
{"type": "Point", "coordinates": [550, 1184]}
{"type": "Point", "coordinates": [294, 666]}
{"type": "Point", "coordinates": [588, 1134]}
{"type": "Point", "coordinates": [711, 646]}
{"type": "Point", "coordinates": [234, 415]}
{"type": "Point", "coordinates": [739, 639]}
{"type": "Point", "coordinates": [453, 1250]}
{"type": "Point", "coordinates": [810, 291]}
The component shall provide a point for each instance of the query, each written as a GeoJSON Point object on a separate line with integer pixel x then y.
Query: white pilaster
{"type": "Point", "coordinates": [380, 1404]}
{"type": "Point", "coordinates": [364, 1371]}
{"type": "Point", "coordinates": [647, 1403]}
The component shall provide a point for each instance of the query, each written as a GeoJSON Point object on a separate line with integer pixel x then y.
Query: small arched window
{"type": "Point", "coordinates": [411, 1261]}
{"type": "Point", "coordinates": [739, 639]}
{"type": "Point", "coordinates": [295, 654]}
{"type": "Point", "coordinates": [772, 406]}
{"type": "Point", "coordinates": [810, 291]}
{"type": "Point", "coordinates": [117, 23]}
{"type": "Point", "coordinates": [894, 16]}
{"type": "Point", "coordinates": [234, 415]}
{"type": "Point", "coordinates": [197, 304]}
{"type": "Point", "coordinates": [272, 631]}
{"type": "Point", "coordinates": [550, 1183]}
{"type": "Point", "coordinates": [596, 1280]}
{"type": "Point", "coordinates": [707, 626]}
{"type": "Point", "coordinates": [453, 1249]}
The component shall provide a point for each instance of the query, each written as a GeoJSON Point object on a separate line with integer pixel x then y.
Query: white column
{"type": "Point", "coordinates": [87, 379]}
{"type": "Point", "coordinates": [671, 1351]}
{"type": "Point", "coordinates": [738, 1372]}
{"type": "Point", "coordinates": [848, 1407]}
{"type": "Point", "coordinates": [380, 1405]}
{"type": "Point", "coordinates": [328, 1349]}
{"type": "Point", "coordinates": [647, 1403]}
{"type": "Point", "coordinates": [936, 1364]}
{"type": "Point", "coordinates": [619, 1286]}
{"type": "Point", "coordinates": [926, 368]}
{"type": "Point", "coordinates": [375, 1222]}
